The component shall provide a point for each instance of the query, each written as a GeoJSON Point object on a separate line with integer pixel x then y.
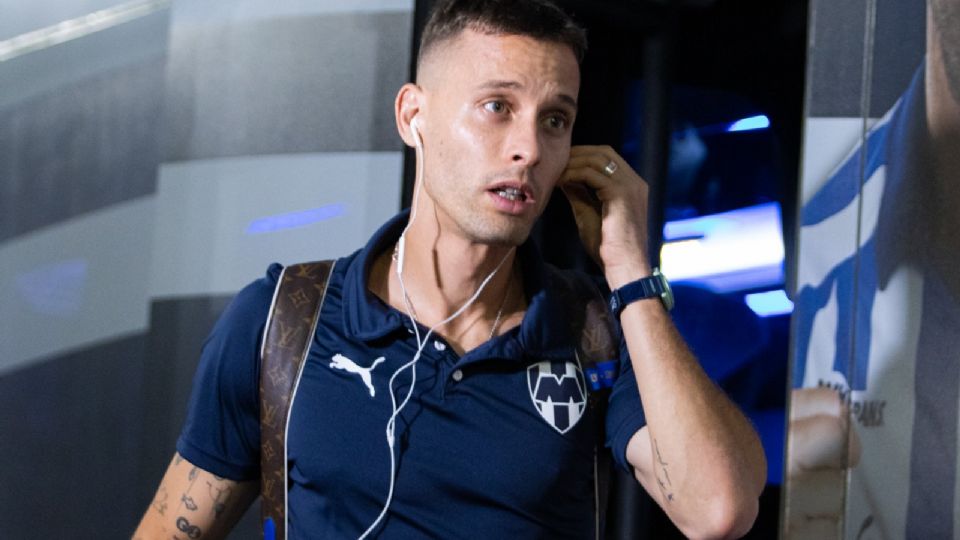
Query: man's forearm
{"type": "Point", "coordinates": [703, 458]}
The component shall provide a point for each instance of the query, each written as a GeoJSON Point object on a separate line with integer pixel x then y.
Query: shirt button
{"type": "Point", "coordinates": [458, 375]}
{"type": "Point", "coordinates": [439, 345]}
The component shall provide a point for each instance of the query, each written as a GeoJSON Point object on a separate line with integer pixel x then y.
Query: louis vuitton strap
{"type": "Point", "coordinates": [598, 352]}
{"type": "Point", "coordinates": [289, 331]}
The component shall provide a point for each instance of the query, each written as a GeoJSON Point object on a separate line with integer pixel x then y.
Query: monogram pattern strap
{"type": "Point", "coordinates": [291, 324]}
{"type": "Point", "coordinates": [597, 343]}
{"type": "Point", "coordinates": [597, 339]}
{"type": "Point", "coordinates": [590, 321]}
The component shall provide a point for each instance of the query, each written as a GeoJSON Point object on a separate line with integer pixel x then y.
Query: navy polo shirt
{"type": "Point", "coordinates": [497, 443]}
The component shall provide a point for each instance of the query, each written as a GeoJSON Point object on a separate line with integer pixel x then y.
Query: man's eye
{"type": "Point", "coordinates": [495, 106]}
{"type": "Point", "coordinates": [556, 121]}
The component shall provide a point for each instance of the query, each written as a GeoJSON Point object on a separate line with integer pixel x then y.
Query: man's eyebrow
{"type": "Point", "coordinates": [497, 85]}
{"type": "Point", "coordinates": [513, 85]}
{"type": "Point", "coordinates": [568, 100]}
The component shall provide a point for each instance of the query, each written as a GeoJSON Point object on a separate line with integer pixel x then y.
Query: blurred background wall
{"type": "Point", "coordinates": [155, 156]}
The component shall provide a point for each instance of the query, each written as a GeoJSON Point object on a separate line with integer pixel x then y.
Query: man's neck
{"type": "Point", "coordinates": [442, 270]}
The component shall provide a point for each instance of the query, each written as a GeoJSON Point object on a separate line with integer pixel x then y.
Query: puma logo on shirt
{"type": "Point", "coordinates": [343, 363]}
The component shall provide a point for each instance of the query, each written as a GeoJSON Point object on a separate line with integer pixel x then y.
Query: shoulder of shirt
{"type": "Point", "coordinates": [261, 290]}
{"type": "Point", "coordinates": [250, 306]}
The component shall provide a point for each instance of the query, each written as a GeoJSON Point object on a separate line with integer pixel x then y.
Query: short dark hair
{"type": "Point", "coordinates": [539, 19]}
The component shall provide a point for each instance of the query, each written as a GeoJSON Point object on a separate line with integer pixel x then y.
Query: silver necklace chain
{"type": "Point", "coordinates": [503, 302]}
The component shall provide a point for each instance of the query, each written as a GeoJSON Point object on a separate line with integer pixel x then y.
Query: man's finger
{"type": "Point", "coordinates": [816, 494]}
{"type": "Point", "coordinates": [817, 401]}
{"type": "Point", "coordinates": [586, 175]}
{"type": "Point", "coordinates": [594, 160]}
{"type": "Point", "coordinates": [821, 442]}
{"type": "Point", "coordinates": [587, 149]}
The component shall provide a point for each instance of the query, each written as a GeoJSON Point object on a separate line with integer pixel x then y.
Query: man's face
{"type": "Point", "coordinates": [495, 122]}
{"type": "Point", "coordinates": [946, 17]}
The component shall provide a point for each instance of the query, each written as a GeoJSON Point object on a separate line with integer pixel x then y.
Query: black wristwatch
{"type": "Point", "coordinates": [643, 288]}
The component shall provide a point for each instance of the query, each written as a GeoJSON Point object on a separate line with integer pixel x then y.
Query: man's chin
{"type": "Point", "coordinates": [511, 235]}
{"type": "Point", "coordinates": [504, 240]}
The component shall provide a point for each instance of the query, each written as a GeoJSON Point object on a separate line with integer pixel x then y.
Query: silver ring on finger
{"type": "Point", "coordinates": [610, 168]}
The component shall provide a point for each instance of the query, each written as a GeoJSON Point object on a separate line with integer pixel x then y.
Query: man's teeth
{"type": "Point", "coordinates": [511, 193]}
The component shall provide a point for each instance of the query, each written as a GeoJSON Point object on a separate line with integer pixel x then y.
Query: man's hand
{"type": "Point", "coordinates": [822, 445]}
{"type": "Point", "coordinates": [610, 210]}
{"type": "Point", "coordinates": [192, 504]}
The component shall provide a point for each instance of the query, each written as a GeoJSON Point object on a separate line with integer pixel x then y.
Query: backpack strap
{"type": "Point", "coordinates": [289, 331]}
{"type": "Point", "coordinates": [598, 350]}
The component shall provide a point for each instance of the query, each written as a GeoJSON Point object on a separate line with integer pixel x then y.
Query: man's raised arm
{"type": "Point", "coordinates": [192, 503]}
{"type": "Point", "coordinates": [698, 456]}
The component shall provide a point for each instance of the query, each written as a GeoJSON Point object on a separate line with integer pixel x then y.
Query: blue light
{"type": "Point", "coordinates": [767, 304]}
{"type": "Point", "coordinates": [733, 251]}
{"type": "Point", "coordinates": [749, 124]}
{"type": "Point", "coordinates": [697, 227]}
{"type": "Point", "coordinates": [56, 289]}
{"type": "Point", "coordinates": [293, 220]}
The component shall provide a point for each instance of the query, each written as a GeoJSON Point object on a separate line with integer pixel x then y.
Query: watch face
{"type": "Point", "coordinates": [667, 295]}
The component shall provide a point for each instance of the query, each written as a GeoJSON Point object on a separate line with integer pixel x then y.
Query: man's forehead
{"type": "Point", "coordinates": [507, 60]}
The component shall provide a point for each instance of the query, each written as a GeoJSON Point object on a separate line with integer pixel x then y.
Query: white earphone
{"type": "Point", "coordinates": [418, 142]}
{"type": "Point", "coordinates": [415, 128]}
{"type": "Point", "coordinates": [421, 343]}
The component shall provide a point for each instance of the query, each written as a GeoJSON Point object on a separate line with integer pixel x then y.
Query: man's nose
{"type": "Point", "coordinates": [524, 143]}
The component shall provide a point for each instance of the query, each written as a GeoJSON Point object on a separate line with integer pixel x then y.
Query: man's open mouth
{"type": "Point", "coordinates": [512, 194]}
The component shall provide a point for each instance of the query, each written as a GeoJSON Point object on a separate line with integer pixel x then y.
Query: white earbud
{"type": "Point", "coordinates": [415, 129]}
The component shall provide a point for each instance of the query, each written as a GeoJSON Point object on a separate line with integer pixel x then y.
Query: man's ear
{"type": "Point", "coordinates": [405, 108]}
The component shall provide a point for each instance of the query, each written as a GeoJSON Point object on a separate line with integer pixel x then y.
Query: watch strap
{"type": "Point", "coordinates": [654, 286]}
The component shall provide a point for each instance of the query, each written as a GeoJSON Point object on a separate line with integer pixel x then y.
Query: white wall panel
{"type": "Point", "coordinates": [220, 222]}
{"type": "Point", "coordinates": [76, 283]}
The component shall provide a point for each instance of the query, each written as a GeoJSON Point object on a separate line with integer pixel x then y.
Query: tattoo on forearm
{"type": "Point", "coordinates": [663, 477]}
{"type": "Point", "coordinates": [160, 502]}
{"type": "Point", "coordinates": [219, 495]}
{"type": "Point", "coordinates": [191, 530]}
{"type": "Point", "coordinates": [188, 502]}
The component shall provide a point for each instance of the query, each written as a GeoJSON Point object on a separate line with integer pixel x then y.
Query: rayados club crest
{"type": "Point", "coordinates": [558, 392]}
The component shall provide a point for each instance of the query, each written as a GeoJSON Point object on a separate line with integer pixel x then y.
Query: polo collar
{"type": "Point", "coordinates": [543, 333]}
{"type": "Point", "coordinates": [365, 316]}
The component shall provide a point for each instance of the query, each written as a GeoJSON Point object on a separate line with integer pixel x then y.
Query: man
{"type": "Point", "coordinates": [879, 326]}
{"type": "Point", "coordinates": [475, 455]}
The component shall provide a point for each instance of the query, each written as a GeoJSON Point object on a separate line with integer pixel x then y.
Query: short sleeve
{"type": "Point", "coordinates": [624, 411]}
{"type": "Point", "coordinates": [221, 434]}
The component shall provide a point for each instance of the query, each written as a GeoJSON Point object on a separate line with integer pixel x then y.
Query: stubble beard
{"type": "Point", "coordinates": [479, 224]}
{"type": "Point", "coordinates": [505, 231]}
